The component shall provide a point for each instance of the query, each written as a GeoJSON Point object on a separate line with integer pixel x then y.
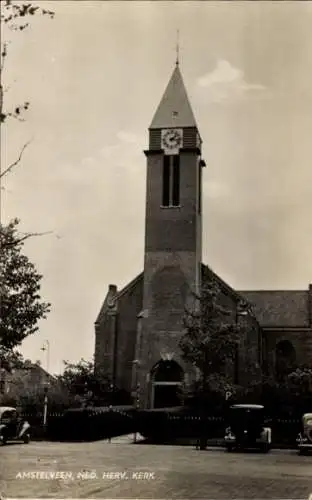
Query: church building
{"type": "Point", "coordinates": [139, 327]}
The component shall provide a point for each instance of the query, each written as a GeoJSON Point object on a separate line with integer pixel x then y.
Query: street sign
{"type": "Point", "coordinates": [228, 394]}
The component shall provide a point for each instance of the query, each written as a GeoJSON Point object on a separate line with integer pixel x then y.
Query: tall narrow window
{"type": "Point", "coordinates": [166, 182]}
{"type": "Point", "coordinates": [171, 181]}
{"type": "Point", "coordinates": [176, 181]}
{"type": "Point", "coordinates": [106, 345]}
{"type": "Point", "coordinates": [199, 188]}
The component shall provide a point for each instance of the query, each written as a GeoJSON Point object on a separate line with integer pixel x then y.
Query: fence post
{"type": "Point", "coordinates": [110, 411]}
{"type": "Point", "coordinates": [45, 410]}
{"type": "Point", "coordinates": [137, 406]}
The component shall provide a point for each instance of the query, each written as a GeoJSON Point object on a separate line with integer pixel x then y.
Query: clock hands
{"type": "Point", "coordinates": [172, 139]}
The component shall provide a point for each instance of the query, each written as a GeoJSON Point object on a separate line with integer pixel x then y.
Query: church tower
{"type": "Point", "coordinates": [173, 235]}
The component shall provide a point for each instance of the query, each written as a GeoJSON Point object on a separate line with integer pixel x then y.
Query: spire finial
{"type": "Point", "coordinates": [178, 48]}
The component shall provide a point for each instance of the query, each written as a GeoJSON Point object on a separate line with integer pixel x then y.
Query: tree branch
{"type": "Point", "coordinates": [16, 162]}
{"type": "Point", "coordinates": [4, 52]}
{"type": "Point", "coordinates": [23, 238]}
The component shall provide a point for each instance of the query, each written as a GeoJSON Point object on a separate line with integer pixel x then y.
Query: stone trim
{"type": "Point", "coordinates": [150, 152]}
{"type": "Point", "coordinates": [130, 285]}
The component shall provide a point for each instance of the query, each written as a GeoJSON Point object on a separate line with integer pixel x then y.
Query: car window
{"type": "Point", "coordinates": [8, 415]}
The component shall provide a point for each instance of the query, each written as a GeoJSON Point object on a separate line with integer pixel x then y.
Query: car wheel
{"type": "Point", "coordinates": [3, 440]}
{"type": "Point", "coordinates": [26, 438]}
{"type": "Point", "coordinates": [229, 449]}
{"type": "Point", "coordinates": [301, 452]}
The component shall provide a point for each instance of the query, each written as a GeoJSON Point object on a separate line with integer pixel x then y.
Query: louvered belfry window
{"type": "Point", "coordinates": [171, 181]}
{"type": "Point", "coordinates": [166, 182]}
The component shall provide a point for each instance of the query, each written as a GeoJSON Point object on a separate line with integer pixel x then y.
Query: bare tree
{"type": "Point", "coordinates": [15, 17]}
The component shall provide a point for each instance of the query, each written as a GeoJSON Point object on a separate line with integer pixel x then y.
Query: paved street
{"type": "Point", "coordinates": [150, 471]}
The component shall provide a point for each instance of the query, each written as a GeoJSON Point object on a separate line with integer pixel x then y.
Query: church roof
{"type": "Point", "coordinates": [174, 109]}
{"type": "Point", "coordinates": [272, 308]}
{"type": "Point", "coordinates": [280, 308]}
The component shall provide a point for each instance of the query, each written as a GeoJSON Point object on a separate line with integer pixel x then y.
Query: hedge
{"type": "Point", "coordinates": [160, 425]}
{"type": "Point", "coordinates": [167, 425]}
{"type": "Point", "coordinates": [83, 424]}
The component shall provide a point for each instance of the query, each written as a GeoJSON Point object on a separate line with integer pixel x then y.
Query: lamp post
{"type": "Point", "coordinates": [46, 347]}
{"type": "Point", "coordinates": [45, 405]}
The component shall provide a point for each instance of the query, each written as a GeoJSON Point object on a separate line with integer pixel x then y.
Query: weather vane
{"type": "Point", "coordinates": [178, 48]}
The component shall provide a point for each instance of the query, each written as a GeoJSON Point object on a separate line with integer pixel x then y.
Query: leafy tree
{"type": "Point", "coordinates": [209, 344]}
{"type": "Point", "coordinates": [80, 378]}
{"type": "Point", "coordinates": [89, 386]}
{"type": "Point", "coordinates": [21, 306]}
{"type": "Point", "coordinates": [300, 380]}
{"type": "Point", "coordinates": [10, 358]}
{"type": "Point", "coordinates": [211, 338]}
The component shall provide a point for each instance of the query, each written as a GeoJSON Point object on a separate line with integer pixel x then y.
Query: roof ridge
{"type": "Point", "coordinates": [129, 285]}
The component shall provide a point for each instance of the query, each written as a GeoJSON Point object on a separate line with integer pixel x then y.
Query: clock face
{"type": "Point", "coordinates": [172, 139]}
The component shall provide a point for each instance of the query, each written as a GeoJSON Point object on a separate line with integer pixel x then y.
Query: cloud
{"type": "Point", "coordinates": [127, 137]}
{"type": "Point", "coordinates": [227, 82]}
{"type": "Point", "coordinates": [215, 189]}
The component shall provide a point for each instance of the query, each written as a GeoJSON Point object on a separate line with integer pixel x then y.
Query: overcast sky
{"type": "Point", "coordinates": [94, 76]}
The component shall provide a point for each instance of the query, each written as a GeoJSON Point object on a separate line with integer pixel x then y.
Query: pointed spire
{"type": "Point", "coordinates": [178, 49]}
{"type": "Point", "coordinates": [174, 109]}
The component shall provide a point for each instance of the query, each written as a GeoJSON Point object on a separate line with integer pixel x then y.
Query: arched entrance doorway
{"type": "Point", "coordinates": [285, 359]}
{"type": "Point", "coordinates": [167, 379]}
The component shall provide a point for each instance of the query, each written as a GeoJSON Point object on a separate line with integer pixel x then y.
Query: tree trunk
{"type": "Point", "coordinates": [203, 423]}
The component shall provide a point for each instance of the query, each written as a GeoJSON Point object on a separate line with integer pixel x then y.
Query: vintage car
{"type": "Point", "coordinates": [304, 439]}
{"type": "Point", "coordinates": [247, 429]}
{"type": "Point", "coordinates": [12, 426]}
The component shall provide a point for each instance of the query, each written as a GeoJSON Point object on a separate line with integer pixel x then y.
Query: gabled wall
{"type": "Point", "coordinates": [129, 305]}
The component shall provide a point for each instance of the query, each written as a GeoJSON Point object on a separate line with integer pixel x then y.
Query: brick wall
{"type": "Point", "coordinates": [129, 306]}
{"type": "Point", "coordinates": [172, 229]}
{"type": "Point", "coordinates": [300, 339]}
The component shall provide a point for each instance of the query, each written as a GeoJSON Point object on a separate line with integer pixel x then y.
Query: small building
{"type": "Point", "coordinates": [31, 378]}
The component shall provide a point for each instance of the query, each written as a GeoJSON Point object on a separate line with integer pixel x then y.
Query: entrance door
{"type": "Point", "coordinates": [167, 377]}
{"type": "Point", "coordinates": [166, 396]}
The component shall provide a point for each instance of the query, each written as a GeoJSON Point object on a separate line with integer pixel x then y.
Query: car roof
{"type": "Point", "coordinates": [248, 407]}
{"type": "Point", "coordinates": [6, 408]}
{"type": "Point", "coordinates": [307, 415]}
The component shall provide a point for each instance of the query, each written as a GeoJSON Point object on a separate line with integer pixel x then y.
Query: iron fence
{"type": "Point", "coordinates": [160, 425]}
